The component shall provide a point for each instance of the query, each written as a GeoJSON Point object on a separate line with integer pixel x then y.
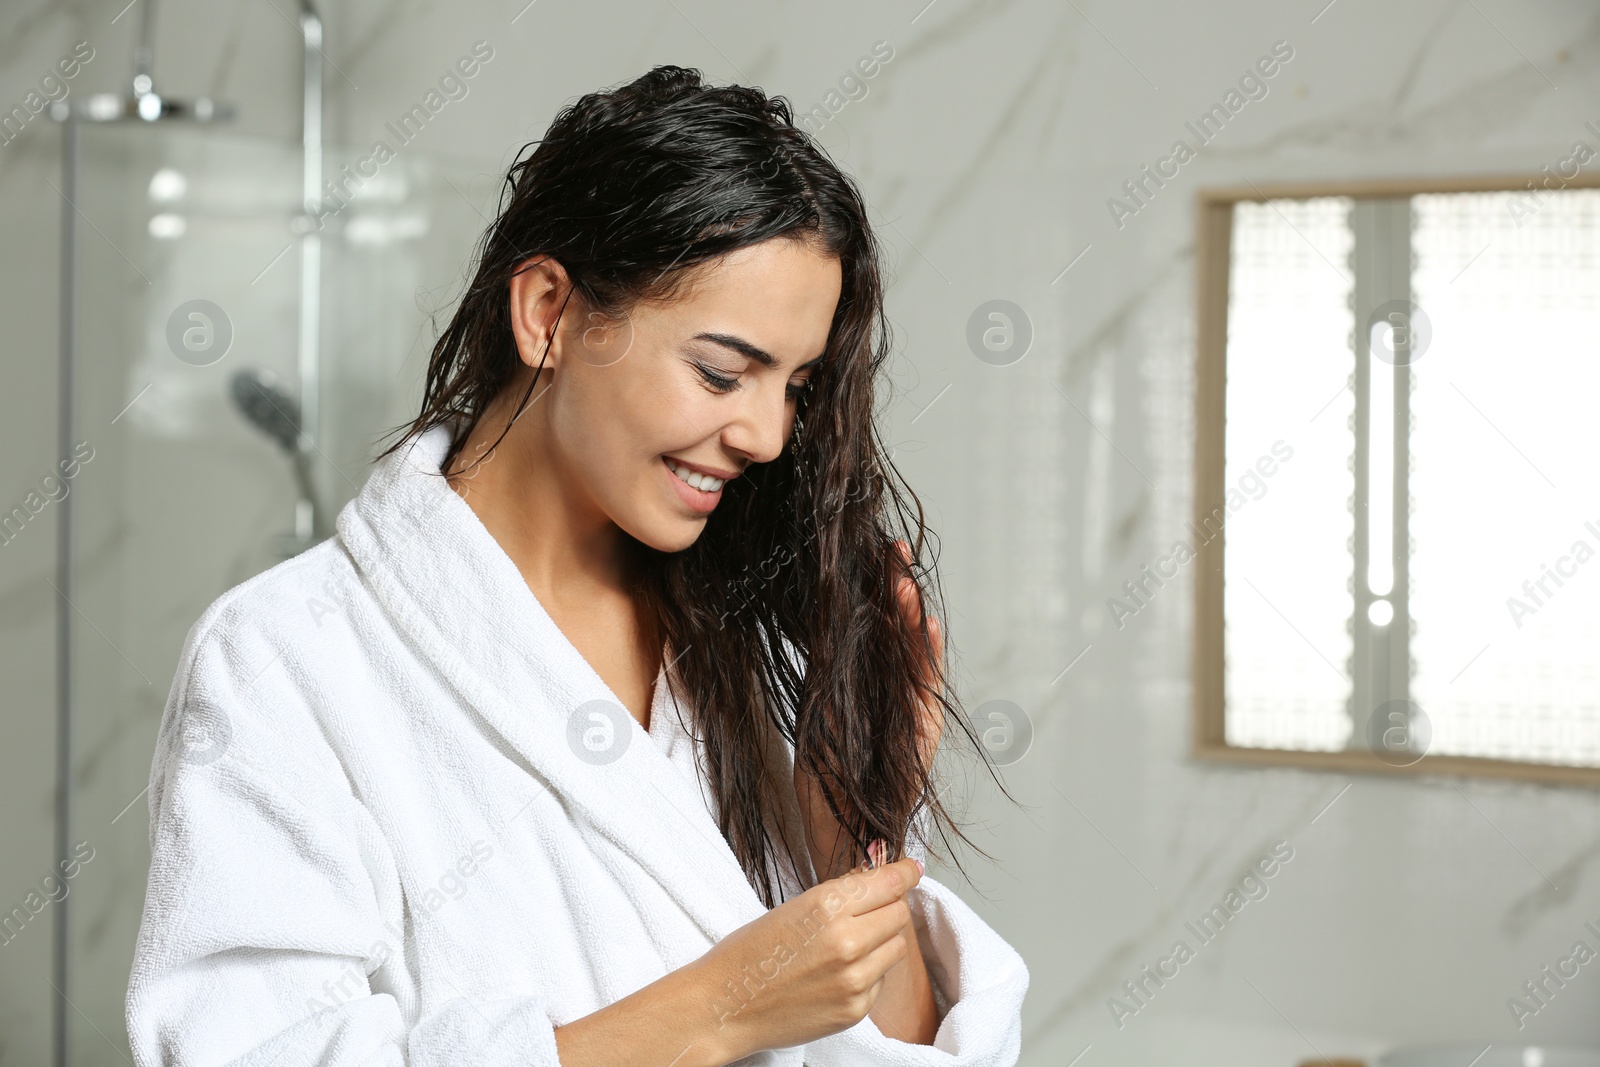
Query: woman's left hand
{"type": "Point", "coordinates": [930, 723]}
{"type": "Point", "coordinates": [823, 833]}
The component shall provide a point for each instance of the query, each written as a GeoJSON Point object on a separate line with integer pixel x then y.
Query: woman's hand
{"type": "Point", "coordinates": [931, 723]}
{"type": "Point", "coordinates": [810, 967]}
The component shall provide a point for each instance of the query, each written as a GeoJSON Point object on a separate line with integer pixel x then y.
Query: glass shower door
{"type": "Point", "coordinates": [186, 275]}
{"type": "Point", "coordinates": [190, 273]}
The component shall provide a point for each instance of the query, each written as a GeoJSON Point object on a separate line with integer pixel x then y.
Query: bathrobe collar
{"type": "Point", "coordinates": [449, 586]}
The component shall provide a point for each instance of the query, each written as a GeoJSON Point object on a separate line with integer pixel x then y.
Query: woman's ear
{"type": "Point", "coordinates": [538, 291]}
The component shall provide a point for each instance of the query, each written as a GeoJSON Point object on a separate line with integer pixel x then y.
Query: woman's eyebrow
{"type": "Point", "coordinates": [748, 350]}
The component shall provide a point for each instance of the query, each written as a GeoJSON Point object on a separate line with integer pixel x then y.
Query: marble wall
{"type": "Point", "coordinates": [989, 142]}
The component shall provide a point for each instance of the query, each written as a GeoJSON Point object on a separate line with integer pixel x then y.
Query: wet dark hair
{"type": "Point", "coordinates": [634, 191]}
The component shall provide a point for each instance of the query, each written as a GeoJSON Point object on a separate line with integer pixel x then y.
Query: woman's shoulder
{"type": "Point", "coordinates": [248, 732]}
{"type": "Point", "coordinates": [280, 594]}
{"type": "Point", "coordinates": [245, 685]}
{"type": "Point", "coordinates": [268, 616]}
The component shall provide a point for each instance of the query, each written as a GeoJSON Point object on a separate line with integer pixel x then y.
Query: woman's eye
{"type": "Point", "coordinates": [720, 382]}
{"type": "Point", "coordinates": [724, 384]}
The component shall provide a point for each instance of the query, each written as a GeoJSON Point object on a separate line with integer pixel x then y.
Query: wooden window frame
{"type": "Point", "coordinates": [1213, 267]}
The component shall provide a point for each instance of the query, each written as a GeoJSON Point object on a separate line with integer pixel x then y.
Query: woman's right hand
{"type": "Point", "coordinates": [812, 966]}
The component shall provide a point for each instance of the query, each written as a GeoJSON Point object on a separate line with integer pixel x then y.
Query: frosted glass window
{"type": "Point", "coordinates": [1286, 553]}
{"type": "Point", "coordinates": [1506, 523]}
{"type": "Point", "coordinates": [1479, 602]}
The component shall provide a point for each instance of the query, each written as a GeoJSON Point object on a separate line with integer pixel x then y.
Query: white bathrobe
{"type": "Point", "coordinates": [385, 830]}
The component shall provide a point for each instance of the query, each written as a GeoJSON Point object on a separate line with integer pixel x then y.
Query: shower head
{"type": "Point", "coordinates": [142, 107]}
{"type": "Point", "coordinates": [142, 103]}
{"type": "Point", "coordinates": [267, 407]}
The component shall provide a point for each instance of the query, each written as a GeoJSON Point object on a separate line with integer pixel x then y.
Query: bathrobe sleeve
{"type": "Point", "coordinates": [273, 902]}
{"type": "Point", "coordinates": [980, 975]}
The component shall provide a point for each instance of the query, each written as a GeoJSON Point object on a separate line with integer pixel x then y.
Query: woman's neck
{"type": "Point", "coordinates": [565, 547]}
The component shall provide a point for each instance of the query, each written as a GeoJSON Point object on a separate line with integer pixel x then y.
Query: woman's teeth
{"type": "Point", "coordinates": [703, 482]}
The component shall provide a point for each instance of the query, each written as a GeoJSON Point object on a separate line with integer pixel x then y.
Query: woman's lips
{"type": "Point", "coordinates": [696, 499]}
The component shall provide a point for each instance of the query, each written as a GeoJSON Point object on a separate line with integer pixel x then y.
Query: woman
{"type": "Point", "coordinates": [593, 735]}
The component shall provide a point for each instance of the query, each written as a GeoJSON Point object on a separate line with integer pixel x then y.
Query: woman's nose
{"type": "Point", "coordinates": [761, 426]}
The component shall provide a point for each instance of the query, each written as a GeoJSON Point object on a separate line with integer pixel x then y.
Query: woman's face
{"type": "Point", "coordinates": [707, 384]}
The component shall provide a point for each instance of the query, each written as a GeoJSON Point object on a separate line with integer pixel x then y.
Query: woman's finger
{"type": "Point", "coordinates": [869, 890]}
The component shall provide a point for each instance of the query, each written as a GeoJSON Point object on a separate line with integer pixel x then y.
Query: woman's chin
{"type": "Point", "coordinates": [670, 533]}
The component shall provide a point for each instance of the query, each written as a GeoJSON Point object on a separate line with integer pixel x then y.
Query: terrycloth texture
{"type": "Point", "coordinates": [374, 843]}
